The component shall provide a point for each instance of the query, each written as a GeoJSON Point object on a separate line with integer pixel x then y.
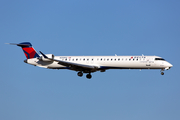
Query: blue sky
{"type": "Point", "coordinates": [96, 27]}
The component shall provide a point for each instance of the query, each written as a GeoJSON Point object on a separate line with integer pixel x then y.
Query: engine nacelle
{"type": "Point", "coordinates": [51, 56]}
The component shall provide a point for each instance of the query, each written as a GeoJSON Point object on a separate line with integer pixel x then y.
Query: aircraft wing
{"type": "Point", "coordinates": [74, 66]}
{"type": "Point", "coordinates": [70, 64]}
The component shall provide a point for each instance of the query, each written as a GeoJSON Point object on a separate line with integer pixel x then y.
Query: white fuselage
{"type": "Point", "coordinates": [90, 64]}
{"type": "Point", "coordinates": [106, 62]}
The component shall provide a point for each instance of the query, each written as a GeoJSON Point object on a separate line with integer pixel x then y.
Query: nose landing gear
{"type": "Point", "coordinates": [162, 73]}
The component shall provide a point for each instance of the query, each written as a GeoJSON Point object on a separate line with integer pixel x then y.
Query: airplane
{"type": "Point", "coordinates": [90, 64]}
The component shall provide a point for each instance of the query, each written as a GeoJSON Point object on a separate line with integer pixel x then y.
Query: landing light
{"type": "Point", "coordinates": [167, 68]}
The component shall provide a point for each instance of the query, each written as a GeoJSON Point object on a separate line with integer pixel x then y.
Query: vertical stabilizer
{"type": "Point", "coordinates": [29, 51]}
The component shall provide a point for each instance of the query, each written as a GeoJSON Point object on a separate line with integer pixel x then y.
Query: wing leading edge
{"type": "Point", "coordinates": [73, 66]}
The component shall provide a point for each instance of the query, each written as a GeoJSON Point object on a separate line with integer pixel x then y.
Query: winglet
{"type": "Point", "coordinates": [43, 54]}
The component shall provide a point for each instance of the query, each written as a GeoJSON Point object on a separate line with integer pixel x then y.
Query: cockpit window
{"type": "Point", "coordinates": [159, 59]}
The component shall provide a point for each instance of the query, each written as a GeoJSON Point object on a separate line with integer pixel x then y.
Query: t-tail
{"type": "Point", "coordinates": [29, 51]}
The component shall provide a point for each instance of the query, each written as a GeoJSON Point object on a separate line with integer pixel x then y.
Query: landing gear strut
{"type": "Point", "coordinates": [162, 73]}
{"type": "Point", "coordinates": [89, 76]}
{"type": "Point", "coordinates": [80, 74]}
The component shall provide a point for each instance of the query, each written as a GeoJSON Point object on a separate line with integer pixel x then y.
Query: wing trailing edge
{"type": "Point", "coordinates": [70, 64]}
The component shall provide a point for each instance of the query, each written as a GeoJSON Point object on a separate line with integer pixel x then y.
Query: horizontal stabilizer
{"type": "Point", "coordinates": [21, 44]}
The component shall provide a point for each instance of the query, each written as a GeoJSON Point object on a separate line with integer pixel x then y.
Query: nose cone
{"type": "Point", "coordinates": [169, 65]}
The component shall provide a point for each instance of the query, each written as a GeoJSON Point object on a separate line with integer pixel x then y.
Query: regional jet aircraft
{"type": "Point", "coordinates": [90, 64]}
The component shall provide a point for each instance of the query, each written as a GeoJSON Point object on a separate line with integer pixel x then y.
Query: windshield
{"type": "Point", "coordinates": [159, 59]}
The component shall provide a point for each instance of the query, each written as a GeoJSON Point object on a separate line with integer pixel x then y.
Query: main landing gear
{"type": "Point", "coordinates": [89, 76]}
{"type": "Point", "coordinates": [80, 74]}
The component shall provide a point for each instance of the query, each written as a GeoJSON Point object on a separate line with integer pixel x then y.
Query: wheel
{"type": "Point", "coordinates": [162, 73]}
{"type": "Point", "coordinates": [80, 74]}
{"type": "Point", "coordinates": [89, 76]}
